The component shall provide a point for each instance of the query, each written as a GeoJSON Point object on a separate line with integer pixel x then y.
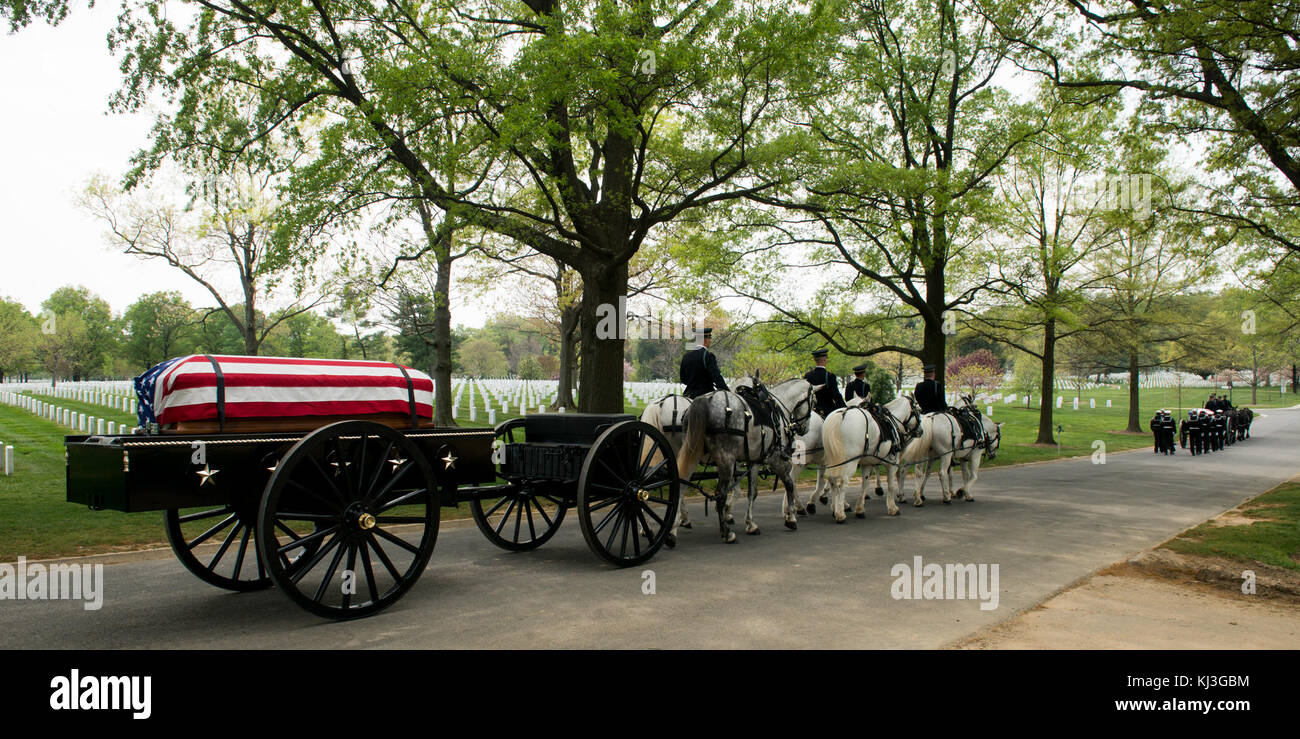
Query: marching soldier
{"type": "Point", "coordinates": [1220, 429]}
{"type": "Point", "coordinates": [1170, 429]}
{"type": "Point", "coordinates": [857, 387]}
{"type": "Point", "coordinates": [928, 394]}
{"type": "Point", "coordinates": [1163, 427]}
{"type": "Point", "coordinates": [1191, 433]}
{"type": "Point", "coordinates": [699, 371]}
{"type": "Point", "coordinates": [828, 398]}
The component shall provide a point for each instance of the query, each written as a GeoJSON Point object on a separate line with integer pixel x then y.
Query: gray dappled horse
{"type": "Point", "coordinates": [721, 425]}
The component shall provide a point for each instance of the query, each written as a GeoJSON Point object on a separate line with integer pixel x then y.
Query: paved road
{"type": "Point", "coordinates": [825, 585]}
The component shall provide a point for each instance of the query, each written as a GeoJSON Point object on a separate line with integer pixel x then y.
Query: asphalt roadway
{"type": "Point", "coordinates": [824, 586]}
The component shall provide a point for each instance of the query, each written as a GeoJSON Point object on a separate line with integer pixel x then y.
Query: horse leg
{"type": "Point", "coordinates": [792, 497]}
{"type": "Point", "coordinates": [894, 480]}
{"type": "Point", "coordinates": [751, 528]}
{"type": "Point", "coordinates": [720, 504]}
{"type": "Point", "coordinates": [918, 493]}
{"type": "Point", "coordinates": [860, 510]}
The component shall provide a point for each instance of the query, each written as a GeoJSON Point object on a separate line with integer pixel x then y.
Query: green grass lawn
{"type": "Point", "coordinates": [1274, 538]}
{"type": "Point", "coordinates": [35, 520]}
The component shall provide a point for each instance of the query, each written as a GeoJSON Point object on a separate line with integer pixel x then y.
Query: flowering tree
{"type": "Point", "coordinates": [973, 372]}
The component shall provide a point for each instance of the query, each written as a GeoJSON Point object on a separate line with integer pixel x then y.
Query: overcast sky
{"type": "Point", "coordinates": [53, 145]}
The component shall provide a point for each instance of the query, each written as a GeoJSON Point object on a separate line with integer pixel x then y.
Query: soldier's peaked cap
{"type": "Point", "coordinates": [860, 368]}
{"type": "Point", "coordinates": [928, 368]}
{"type": "Point", "coordinates": [820, 352]}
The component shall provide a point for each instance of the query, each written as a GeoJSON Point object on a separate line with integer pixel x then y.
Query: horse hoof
{"type": "Point", "coordinates": [823, 500]}
{"type": "Point", "coordinates": [860, 515]}
{"type": "Point", "coordinates": [840, 520]}
{"type": "Point", "coordinates": [754, 531]}
{"type": "Point", "coordinates": [895, 512]}
{"type": "Point", "coordinates": [671, 542]}
{"type": "Point", "coordinates": [919, 504]}
{"type": "Point", "coordinates": [812, 508]}
{"type": "Point", "coordinates": [731, 521]}
{"type": "Point", "coordinates": [802, 511]}
{"type": "Point", "coordinates": [947, 502]}
{"type": "Point", "coordinates": [684, 526]}
{"type": "Point", "coordinates": [969, 499]}
{"type": "Point", "coordinates": [730, 538]}
{"type": "Point", "coordinates": [792, 525]}
{"type": "Point", "coordinates": [880, 493]}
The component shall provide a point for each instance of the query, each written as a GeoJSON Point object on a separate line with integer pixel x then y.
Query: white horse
{"type": "Point", "coordinates": [852, 436]}
{"type": "Point", "coordinates": [668, 414]}
{"type": "Point", "coordinates": [945, 443]}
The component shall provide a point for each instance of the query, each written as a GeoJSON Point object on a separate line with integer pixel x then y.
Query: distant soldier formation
{"type": "Point", "coordinates": [1208, 429]}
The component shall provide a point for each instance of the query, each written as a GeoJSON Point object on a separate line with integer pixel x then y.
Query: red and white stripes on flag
{"type": "Point", "coordinates": [263, 387]}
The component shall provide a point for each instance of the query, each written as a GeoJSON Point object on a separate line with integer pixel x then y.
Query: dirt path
{"type": "Point", "coordinates": [1126, 607]}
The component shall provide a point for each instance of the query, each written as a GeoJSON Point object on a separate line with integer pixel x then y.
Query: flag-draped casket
{"type": "Point", "coordinates": [216, 392]}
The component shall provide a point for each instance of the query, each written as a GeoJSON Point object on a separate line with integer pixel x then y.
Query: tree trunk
{"type": "Point", "coordinates": [1134, 425]}
{"type": "Point", "coordinates": [569, 320]}
{"type": "Point", "coordinates": [1047, 391]}
{"type": "Point", "coordinates": [604, 333]}
{"type": "Point", "coordinates": [1254, 375]}
{"type": "Point", "coordinates": [442, 365]}
{"type": "Point", "coordinates": [934, 348]}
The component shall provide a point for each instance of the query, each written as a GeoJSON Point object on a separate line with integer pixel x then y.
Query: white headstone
{"type": "Point", "coordinates": [1075, 402]}
{"type": "Point", "coordinates": [99, 426]}
{"type": "Point", "coordinates": [1107, 402]}
{"type": "Point", "coordinates": [1092, 402]}
{"type": "Point", "coordinates": [492, 416]}
{"type": "Point", "coordinates": [1058, 401]}
{"type": "Point", "coordinates": [9, 460]}
{"type": "Point", "coordinates": [112, 428]}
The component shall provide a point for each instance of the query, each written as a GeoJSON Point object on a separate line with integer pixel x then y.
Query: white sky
{"type": "Point", "coordinates": [52, 147]}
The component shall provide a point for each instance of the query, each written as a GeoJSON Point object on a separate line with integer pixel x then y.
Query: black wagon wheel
{"type": "Point", "coordinates": [523, 518]}
{"type": "Point", "coordinates": [231, 526]}
{"type": "Point", "coordinates": [628, 493]}
{"type": "Point", "coordinates": [231, 560]}
{"type": "Point", "coordinates": [372, 499]}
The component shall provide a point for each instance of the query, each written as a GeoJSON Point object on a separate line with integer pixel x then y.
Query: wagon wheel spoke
{"type": "Point", "coordinates": [371, 585]}
{"type": "Point", "coordinates": [329, 574]}
{"type": "Point", "coordinates": [397, 540]}
{"type": "Point", "coordinates": [225, 544]}
{"type": "Point", "coordinates": [383, 557]}
{"type": "Point", "coordinates": [626, 475]}
{"type": "Point", "coordinates": [315, 559]}
{"type": "Point", "coordinates": [350, 566]}
{"type": "Point", "coordinates": [303, 541]}
{"type": "Point", "coordinates": [205, 514]}
{"type": "Point", "coordinates": [208, 534]}
{"type": "Point", "coordinates": [401, 500]}
{"type": "Point", "coordinates": [243, 549]}
{"type": "Point", "coordinates": [506, 517]}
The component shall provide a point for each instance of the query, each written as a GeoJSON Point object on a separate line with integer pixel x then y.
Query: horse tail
{"type": "Point", "coordinates": [648, 447]}
{"type": "Point", "coordinates": [833, 446]}
{"type": "Point", "coordinates": [697, 427]}
{"type": "Point", "coordinates": [920, 447]}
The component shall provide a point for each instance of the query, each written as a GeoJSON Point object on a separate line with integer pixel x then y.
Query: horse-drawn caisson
{"type": "Point", "coordinates": [325, 478]}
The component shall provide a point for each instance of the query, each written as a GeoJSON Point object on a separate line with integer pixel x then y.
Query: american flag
{"type": "Point", "coordinates": [185, 389]}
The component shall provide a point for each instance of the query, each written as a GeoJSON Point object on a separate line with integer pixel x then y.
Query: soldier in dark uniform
{"type": "Point", "coordinates": [857, 387]}
{"type": "Point", "coordinates": [1213, 403]}
{"type": "Point", "coordinates": [828, 398]}
{"type": "Point", "coordinates": [928, 394]}
{"type": "Point", "coordinates": [1161, 432]}
{"type": "Point", "coordinates": [699, 372]}
{"type": "Point", "coordinates": [1169, 427]}
{"type": "Point", "coordinates": [1190, 434]}
{"type": "Point", "coordinates": [1220, 429]}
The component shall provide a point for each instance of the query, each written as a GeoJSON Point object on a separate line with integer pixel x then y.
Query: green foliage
{"type": "Point", "coordinates": [529, 369]}
{"type": "Point", "coordinates": [158, 326]}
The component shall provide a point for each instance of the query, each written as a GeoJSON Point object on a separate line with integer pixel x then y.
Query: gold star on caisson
{"type": "Point", "coordinates": [450, 459]}
{"type": "Point", "coordinates": [205, 476]}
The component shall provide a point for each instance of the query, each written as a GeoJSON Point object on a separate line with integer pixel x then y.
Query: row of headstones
{"type": "Point", "coordinates": [82, 422]}
{"type": "Point", "coordinates": [109, 398]}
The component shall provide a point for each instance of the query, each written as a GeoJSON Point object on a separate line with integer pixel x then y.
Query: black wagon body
{"type": "Point", "coordinates": [344, 517]}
